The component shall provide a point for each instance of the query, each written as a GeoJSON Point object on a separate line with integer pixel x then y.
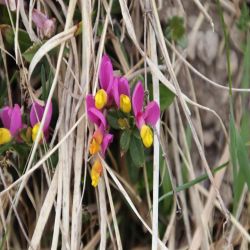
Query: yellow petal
{"type": "Point", "coordinates": [94, 146]}
{"type": "Point", "coordinates": [101, 98]}
{"type": "Point", "coordinates": [5, 136]}
{"type": "Point", "coordinates": [125, 103]}
{"type": "Point", "coordinates": [96, 172]}
{"type": "Point", "coordinates": [146, 135]}
{"type": "Point", "coordinates": [35, 131]}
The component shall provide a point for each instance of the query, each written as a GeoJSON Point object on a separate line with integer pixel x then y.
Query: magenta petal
{"type": "Point", "coordinates": [16, 120]}
{"type": "Point", "coordinates": [106, 74]}
{"type": "Point", "coordinates": [108, 138]}
{"type": "Point", "coordinates": [138, 98]}
{"type": "Point", "coordinates": [124, 86]}
{"type": "Point", "coordinates": [115, 90]}
{"type": "Point", "coordinates": [152, 113]}
{"type": "Point", "coordinates": [12, 118]}
{"type": "Point", "coordinates": [6, 116]}
{"type": "Point", "coordinates": [36, 115]}
{"type": "Point", "coordinates": [139, 120]}
{"type": "Point", "coordinates": [97, 117]}
{"type": "Point", "coordinates": [90, 102]}
{"type": "Point", "coordinates": [94, 115]}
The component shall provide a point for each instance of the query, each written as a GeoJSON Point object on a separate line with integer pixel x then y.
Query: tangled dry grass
{"type": "Point", "coordinates": [192, 190]}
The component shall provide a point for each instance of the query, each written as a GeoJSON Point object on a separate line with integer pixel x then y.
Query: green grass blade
{"type": "Point", "coordinates": [193, 182]}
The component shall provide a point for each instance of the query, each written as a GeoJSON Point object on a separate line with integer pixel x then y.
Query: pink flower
{"type": "Point", "coordinates": [12, 119]}
{"type": "Point", "coordinates": [101, 139]}
{"type": "Point", "coordinates": [104, 94]}
{"type": "Point", "coordinates": [44, 24]}
{"type": "Point", "coordinates": [149, 116]}
{"type": "Point", "coordinates": [95, 115]}
{"type": "Point", "coordinates": [121, 94]}
{"type": "Point", "coordinates": [106, 74]}
{"type": "Point", "coordinates": [36, 115]}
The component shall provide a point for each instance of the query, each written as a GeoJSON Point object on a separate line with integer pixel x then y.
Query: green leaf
{"type": "Point", "coordinates": [125, 140]}
{"type": "Point", "coordinates": [136, 151]}
{"type": "Point", "coordinates": [116, 9]}
{"type": "Point", "coordinates": [165, 184]}
{"type": "Point", "coordinates": [244, 21]}
{"type": "Point", "coordinates": [240, 162]}
{"type": "Point", "coordinates": [30, 52]}
{"type": "Point", "coordinates": [9, 37]}
{"type": "Point", "coordinates": [5, 147]}
{"type": "Point", "coordinates": [133, 170]}
{"type": "Point", "coordinates": [166, 96]}
{"type": "Point", "coordinates": [112, 118]}
{"type": "Point", "coordinates": [175, 28]}
{"type": "Point", "coordinates": [243, 159]}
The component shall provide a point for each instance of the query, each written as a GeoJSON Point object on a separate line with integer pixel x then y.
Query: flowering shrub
{"type": "Point", "coordinates": [111, 108]}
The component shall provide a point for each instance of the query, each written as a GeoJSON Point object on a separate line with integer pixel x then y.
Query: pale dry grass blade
{"type": "Point", "coordinates": [199, 74]}
{"type": "Point", "coordinates": [184, 209]}
{"type": "Point", "coordinates": [112, 208]}
{"type": "Point", "coordinates": [53, 42]}
{"type": "Point", "coordinates": [58, 211]}
{"type": "Point", "coordinates": [236, 223]}
{"type": "Point", "coordinates": [44, 212]}
{"type": "Point", "coordinates": [76, 225]}
{"type": "Point", "coordinates": [100, 49]}
{"type": "Point", "coordinates": [197, 238]}
{"type": "Point", "coordinates": [103, 214]}
{"type": "Point", "coordinates": [204, 11]}
{"type": "Point", "coordinates": [122, 190]}
{"type": "Point", "coordinates": [170, 226]}
{"type": "Point", "coordinates": [183, 103]}
{"type": "Point", "coordinates": [14, 208]}
{"type": "Point", "coordinates": [196, 202]}
{"type": "Point", "coordinates": [156, 153]}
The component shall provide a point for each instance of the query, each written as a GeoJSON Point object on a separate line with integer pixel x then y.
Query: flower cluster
{"type": "Point", "coordinates": [114, 96]}
{"type": "Point", "coordinates": [13, 127]}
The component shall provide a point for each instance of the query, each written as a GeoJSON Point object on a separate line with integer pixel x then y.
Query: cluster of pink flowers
{"type": "Point", "coordinates": [114, 93]}
{"type": "Point", "coordinates": [14, 128]}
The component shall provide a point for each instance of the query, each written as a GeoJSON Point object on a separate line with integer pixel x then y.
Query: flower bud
{"type": "Point", "coordinates": [35, 131]}
{"type": "Point", "coordinates": [5, 136]}
{"type": "Point", "coordinates": [125, 103]}
{"type": "Point", "coordinates": [101, 99]}
{"type": "Point", "coordinates": [146, 135]}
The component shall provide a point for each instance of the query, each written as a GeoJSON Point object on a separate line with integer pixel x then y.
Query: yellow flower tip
{"type": "Point", "coordinates": [35, 131]}
{"type": "Point", "coordinates": [146, 135]}
{"type": "Point", "coordinates": [95, 143]}
{"type": "Point", "coordinates": [96, 172]}
{"type": "Point", "coordinates": [5, 136]}
{"type": "Point", "coordinates": [123, 123]}
{"type": "Point", "coordinates": [125, 103]}
{"type": "Point", "coordinates": [101, 98]}
{"type": "Point", "coordinates": [94, 146]}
